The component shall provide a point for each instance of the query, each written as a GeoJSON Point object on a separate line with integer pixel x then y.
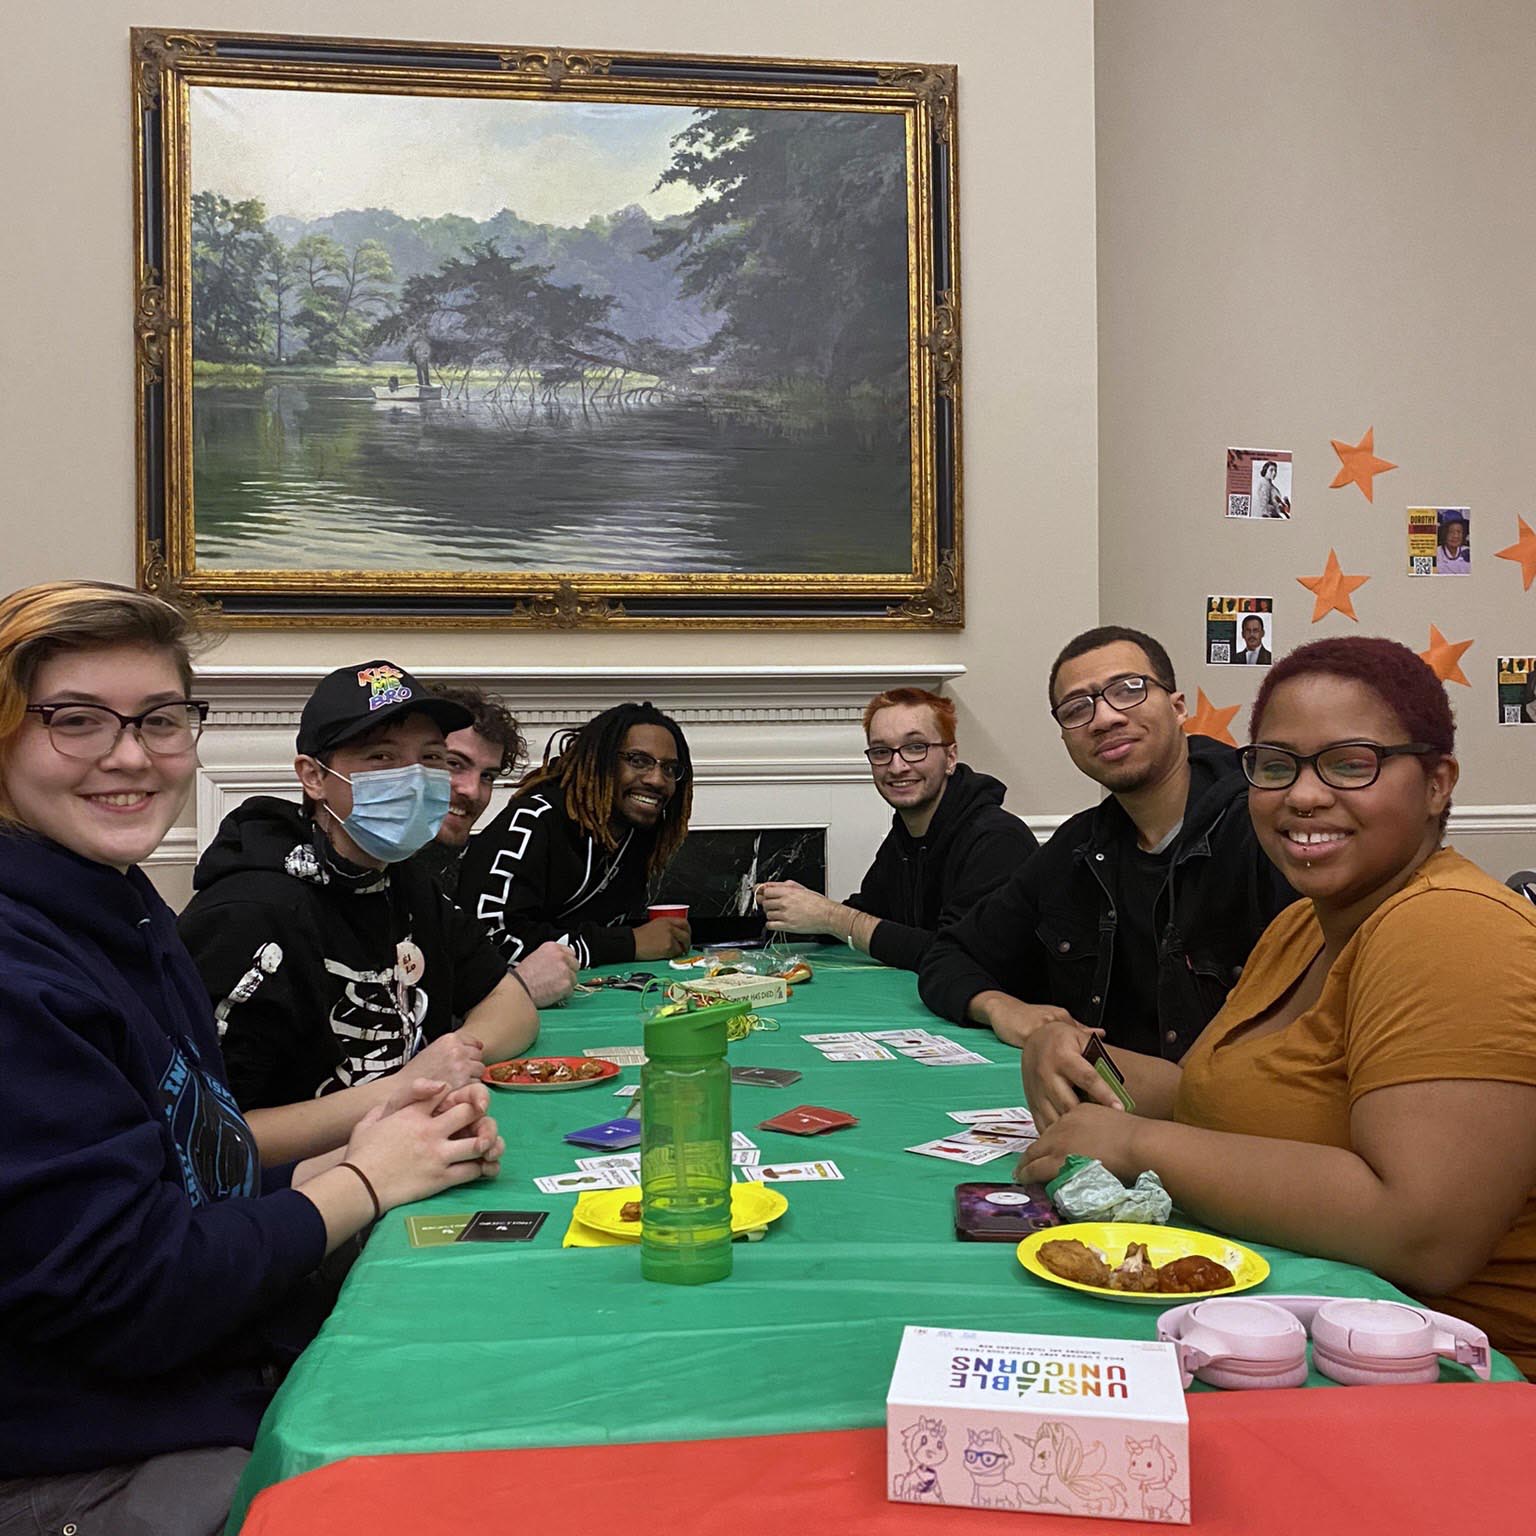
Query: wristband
{"type": "Point", "coordinates": [373, 1194]}
{"type": "Point", "coordinates": [523, 984]}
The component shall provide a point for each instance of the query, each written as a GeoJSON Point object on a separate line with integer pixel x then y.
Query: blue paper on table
{"type": "Point", "coordinates": [610, 1134]}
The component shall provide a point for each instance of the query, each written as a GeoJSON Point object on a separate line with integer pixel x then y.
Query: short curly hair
{"type": "Point", "coordinates": [493, 720]}
{"type": "Point", "coordinates": [1396, 675]}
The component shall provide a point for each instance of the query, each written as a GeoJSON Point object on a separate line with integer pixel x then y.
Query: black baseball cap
{"type": "Point", "coordinates": [353, 700]}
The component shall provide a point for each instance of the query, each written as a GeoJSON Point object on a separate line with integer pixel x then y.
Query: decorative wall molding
{"type": "Point", "coordinates": [178, 848]}
{"type": "Point", "coordinates": [268, 697]}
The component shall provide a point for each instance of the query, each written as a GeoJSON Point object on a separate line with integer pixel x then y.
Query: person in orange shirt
{"type": "Point", "coordinates": [1368, 1092]}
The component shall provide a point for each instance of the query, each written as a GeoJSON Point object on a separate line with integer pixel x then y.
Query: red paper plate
{"type": "Point", "coordinates": [527, 1084]}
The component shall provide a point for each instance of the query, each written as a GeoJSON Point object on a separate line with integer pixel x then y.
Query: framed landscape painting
{"type": "Point", "coordinates": [495, 336]}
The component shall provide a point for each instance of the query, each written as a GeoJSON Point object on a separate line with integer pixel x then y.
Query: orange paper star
{"type": "Point", "coordinates": [1443, 657]}
{"type": "Point", "coordinates": [1524, 550]}
{"type": "Point", "coordinates": [1207, 720]}
{"type": "Point", "coordinates": [1332, 590]}
{"type": "Point", "coordinates": [1359, 463]}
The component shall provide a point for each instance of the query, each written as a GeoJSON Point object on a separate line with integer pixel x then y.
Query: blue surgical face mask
{"type": "Point", "coordinates": [395, 811]}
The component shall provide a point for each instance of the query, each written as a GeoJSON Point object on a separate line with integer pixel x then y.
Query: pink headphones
{"type": "Point", "coordinates": [1228, 1342]}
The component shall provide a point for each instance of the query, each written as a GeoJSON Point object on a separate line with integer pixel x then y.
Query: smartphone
{"type": "Point", "coordinates": [1103, 1063]}
{"type": "Point", "coordinates": [1002, 1213]}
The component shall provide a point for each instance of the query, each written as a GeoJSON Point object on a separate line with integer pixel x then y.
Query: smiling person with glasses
{"type": "Point", "coordinates": [158, 1248]}
{"type": "Point", "coordinates": [950, 843]}
{"type": "Point", "coordinates": [1137, 916]}
{"type": "Point", "coordinates": [1368, 1093]}
{"type": "Point", "coordinates": [574, 853]}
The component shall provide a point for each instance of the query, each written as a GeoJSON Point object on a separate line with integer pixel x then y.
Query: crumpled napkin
{"type": "Point", "coordinates": [1085, 1190]}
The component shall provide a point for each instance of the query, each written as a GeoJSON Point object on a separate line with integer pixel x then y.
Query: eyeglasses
{"type": "Point", "coordinates": [1345, 765]}
{"type": "Point", "coordinates": [986, 1460]}
{"type": "Point", "coordinates": [911, 752]}
{"type": "Point", "coordinates": [1123, 693]}
{"type": "Point", "coordinates": [92, 731]}
{"type": "Point", "coordinates": [643, 762]}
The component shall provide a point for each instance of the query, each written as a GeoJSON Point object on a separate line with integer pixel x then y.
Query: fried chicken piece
{"type": "Point", "coordinates": [1136, 1272]}
{"type": "Point", "coordinates": [1194, 1272]}
{"type": "Point", "coordinates": [1072, 1260]}
{"type": "Point", "coordinates": [630, 1211]}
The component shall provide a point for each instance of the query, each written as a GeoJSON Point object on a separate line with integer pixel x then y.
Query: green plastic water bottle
{"type": "Point", "coordinates": [685, 1147]}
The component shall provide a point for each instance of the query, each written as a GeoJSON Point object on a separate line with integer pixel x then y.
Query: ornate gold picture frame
{"type": "Point", "coordinates": [472, 336]}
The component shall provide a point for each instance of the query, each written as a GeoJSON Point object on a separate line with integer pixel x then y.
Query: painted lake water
{"type": "Point", "coordinates": [313, 474]}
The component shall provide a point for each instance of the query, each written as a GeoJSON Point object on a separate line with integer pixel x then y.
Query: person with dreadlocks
{"type": "Point", "coordinates": [572, 855]}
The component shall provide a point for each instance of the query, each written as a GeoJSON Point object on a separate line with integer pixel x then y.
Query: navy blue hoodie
{"type": "Point", "coordinates": [139, 1256]}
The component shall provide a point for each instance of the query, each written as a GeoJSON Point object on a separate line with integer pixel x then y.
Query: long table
{"type": "Point", "coordinates": [502, 1346]}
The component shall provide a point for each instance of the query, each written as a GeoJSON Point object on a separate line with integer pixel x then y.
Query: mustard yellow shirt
{"type": "Point", "coordinates": [1438, 983]}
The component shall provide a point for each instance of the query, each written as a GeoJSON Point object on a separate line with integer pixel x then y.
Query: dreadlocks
{"type": "Point", "coordinates": [584, 762]}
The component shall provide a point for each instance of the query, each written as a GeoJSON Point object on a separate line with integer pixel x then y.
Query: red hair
{"type": "Point", "coordinates": [1396, 675]}
{"type": "Point", "coordinates": [943, 709]}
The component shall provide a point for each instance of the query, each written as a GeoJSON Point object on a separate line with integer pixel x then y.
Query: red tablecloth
{"type": "Point", "coordinates": [1445, 1458]}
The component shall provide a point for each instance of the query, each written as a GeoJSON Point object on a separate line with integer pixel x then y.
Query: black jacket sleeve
{"type": "Point", "coordinates": [477, 964]}
{"type": "Point", "coordinates": [510, 882]}
{"type": "Point", "coordinates": [993, 948]}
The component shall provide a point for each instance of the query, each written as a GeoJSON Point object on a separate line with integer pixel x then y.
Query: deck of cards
{"type": "Point", "coordinates": [809, 1120]}
{"type": "Point", "coordinates": [988, 1135]}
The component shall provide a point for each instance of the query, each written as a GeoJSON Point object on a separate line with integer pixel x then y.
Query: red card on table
{"type": "Point", "coordinates": [808, 1120]}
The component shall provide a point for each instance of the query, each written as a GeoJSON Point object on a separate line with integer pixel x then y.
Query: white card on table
{"type": "Point", "coordinates": [954, 1149]}
{"type": "Point", "coordinates": [953, 1059]}
{"type": "Point", "coordinates": [791, 1173]}
{"type": "Point", "coordinates": [621, 1055]}
{"type": "Point", "coordinates": [587, 1178]}
{"type": "Point", "coordinates": [1018, 1114]}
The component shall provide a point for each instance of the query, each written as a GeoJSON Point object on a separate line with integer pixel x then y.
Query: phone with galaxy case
{"type": "Point", "coordinates": [1002, 1213]}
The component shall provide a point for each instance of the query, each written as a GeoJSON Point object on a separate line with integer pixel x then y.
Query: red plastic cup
{"type": "Point", "coordinates": [678, 910]}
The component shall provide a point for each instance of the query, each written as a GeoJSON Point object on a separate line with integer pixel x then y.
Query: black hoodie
{"type": "Point", "coordinates": [147, 1263]}
{"type": "Point", "coordinates": [323, 975]}
{"type": "Point", "coordinates": [918, 884]}
{"type": "Point", "coordinates": [1048, 935]}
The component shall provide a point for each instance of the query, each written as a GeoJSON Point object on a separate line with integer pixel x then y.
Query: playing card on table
{"type": "Point", "coordinates": [897, 1038]}
{"type": "Point", "coordinates": [980, 1116]}
{"type": "Point", "coordinates": [628, 1091]}
{"type": "Point", "coordinates": [868, 1051]}
{"type": "Point", "coordinates": [740, 1139]}
{"type": "Point", "coordinates": [956, 1149]}
{"type": "Point", "coordinates": [587, 1178]}
{"type": "Point", "coordinates": [790, 1173]}
{"type": "Point", "coordinates": [765, 1077]}
{"type": "Point", "coordinates": [622, 1055]}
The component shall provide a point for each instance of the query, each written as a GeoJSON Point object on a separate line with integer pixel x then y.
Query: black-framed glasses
{"type": "Point", "coordinates": [911, 752]}
{"type": "Point", "coordinates": [643, 762]}
{"type": "Point", "coordinates": [1344, 765]}
{"type": "Point", "coordinates": [91, 731]}
{"type": "Point", "coordinates": [1120, 693]}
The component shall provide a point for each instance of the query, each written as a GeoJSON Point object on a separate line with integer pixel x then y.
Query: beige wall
{"type": "Point", "coordinates": [1313, 217]}
{"type": "Point", "coordinates": [1026, 137]}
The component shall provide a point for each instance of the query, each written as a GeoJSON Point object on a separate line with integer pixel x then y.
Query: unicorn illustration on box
{"type": "Point", "coordinates": [1060, 1472]}
{"type": "Point", "coordinates": [924, 1445]}
{"type": "Point", "coordinates": [988, 1458]}
{"type": "Point", "coordinates": [1152, 1469]}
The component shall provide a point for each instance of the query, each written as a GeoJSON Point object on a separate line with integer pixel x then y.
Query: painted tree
{"type": "Point", "coordinates": [341, 297]}
{"type": "Point", "coordinates": [230, 252]}
{"type": "Point", "coordinates": [800, 237]}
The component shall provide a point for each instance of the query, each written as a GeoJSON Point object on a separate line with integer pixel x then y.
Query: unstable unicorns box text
{"type": "Point", "coordinates": [1040, 1422]}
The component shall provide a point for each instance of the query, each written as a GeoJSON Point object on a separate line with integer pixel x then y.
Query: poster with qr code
{"type": "Point", "coordinates": [1517, 690]}
{"type": "Point", "coordinates": [1439, 541]}
{"type": "Point", "coordinates": [1239, 631]}
{"type": "Point", "coordinates": [1259, 482]}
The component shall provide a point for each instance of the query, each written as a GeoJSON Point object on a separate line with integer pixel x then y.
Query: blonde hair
{"type": "Point", "coordinates": [38, 623]}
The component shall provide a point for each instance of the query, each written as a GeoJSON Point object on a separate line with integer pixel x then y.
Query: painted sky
{"type": "Point", "coordinates": [308, 154]}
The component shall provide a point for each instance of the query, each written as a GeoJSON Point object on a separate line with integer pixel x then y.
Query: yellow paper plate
{"type": "Point", "coordinates": [752, 1205]}
{"type": "Point", "coordinates": [1164, 1244]}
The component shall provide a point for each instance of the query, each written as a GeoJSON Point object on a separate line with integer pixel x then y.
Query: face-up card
{"type": "Point", "coordinates": [899, 1037]}
{"type": "Point", "coordinates": [952, 1059]}
{"type": "Point", "coordinates": [870, 1052]}
{"type": "Point", "coordinates": [502, 1227]}
{"type": "Point", "coordinates": [765, 1077]}
{"type": "Point", "coordinates": [1019, 1115]}
{"type": "Point", "coordinates": [791, 1173]}
{"type": "Point", "coordinates": [980, 1144]}
{"type": "Point", "coordinates": [624, 1055]}
{"type": "Point", "coordinates": [740, 1139]}
{"type": "Point", "coordinates": [587, 1178]}
{"type": "Point", "coordinates": [432, 1231]}
{"type": "Point", "coordinates": [628, 1091]}
{"type": "Point", "coordinates": [809, 1120]}
{"type": "Point", "coordinates": [611, 1133]}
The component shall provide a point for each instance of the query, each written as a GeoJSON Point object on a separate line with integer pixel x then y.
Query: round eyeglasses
{"type": "Point", "coordinates": [643, 762]}
{"type": "Point", "coordinates": [911, 752]}
{"type": "Point", "coordinates": [92, 731]}
{"type": "Point", "coordinates": [1345, 765]}
{"type": "Point", "coordinates": [1122, 693]}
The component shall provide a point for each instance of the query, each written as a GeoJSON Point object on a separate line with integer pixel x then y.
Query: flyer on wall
{"type": "Point", "coordinates": [1259, 482]}
{"type": "Point", "coordinates": [1239, 631]}
{"type": "Point", "coordinates": [1439, 541]}
{"type": "Point", "coordinates": [1517, 690]}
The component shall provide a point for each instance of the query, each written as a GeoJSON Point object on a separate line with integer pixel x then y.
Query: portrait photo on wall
{"type": "Point", "coordinates": [1439, 541]}
{"type": "Point", "coordinates": [1239, 631]}
{"type": "Point", "coordinates": [1259, 482]}
{"type": "Point", "coordinates": [1517, 690]}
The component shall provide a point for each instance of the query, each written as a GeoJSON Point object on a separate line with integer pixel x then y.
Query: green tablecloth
{"type": "Point", "coordinates": [474, 1346]}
